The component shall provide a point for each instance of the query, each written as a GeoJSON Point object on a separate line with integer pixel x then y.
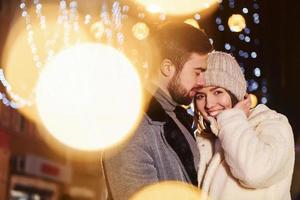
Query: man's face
{"type": "Point", "coordinates": [184, 84]}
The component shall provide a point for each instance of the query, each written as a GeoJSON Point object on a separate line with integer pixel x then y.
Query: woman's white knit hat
{"type": "Point", "coordinates": [224, 71]}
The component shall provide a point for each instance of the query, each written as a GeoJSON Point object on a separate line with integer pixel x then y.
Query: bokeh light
{"type": "Point", "coordinates": [153, 8]}
{"type": "Point", "coordinates": [177, 7]}
{"type": "Point", "coordinates": [98, 29]}
{"type": "Point", "coordinates": [168, 190]}
{"type": "Point", "coordinates": [253, 99]}
{"type": "Point", "coordinates": [28, 46]}
{"type": "Point", "coordinates": [140, 30]}
{"type": "Point", "coordinates": [192, 22]}
{"type": "Point", "coordinates": [236, 23]}
{"type": "Point", "coordinates": [89, 96]}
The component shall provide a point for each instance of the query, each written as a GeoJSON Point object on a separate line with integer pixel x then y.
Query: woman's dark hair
{"type": "Point", "coordinates": [234, 99]}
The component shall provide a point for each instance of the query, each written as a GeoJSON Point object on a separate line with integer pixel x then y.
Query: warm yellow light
{"type": "Point", "coordinates": [253, 99]}
{"type": "Point", "coordinates": [140, 30]}
{"type": "Point", "coordinates": [89, 96]}
{"type": "Point", "coordinates": [236, 23]}
{"type": "Point", "coordinates": [97, 29]}
{"type": "Point", "coordinates": [176, 7]}
{"type": "Point", "coordinates": [192, 22]}
{"type": "Point", "coordinates": [152, 8]}
{"type": "Point", "coordinates": [18, 59]}
{"type": "Point", "coordinates": [168, 190]}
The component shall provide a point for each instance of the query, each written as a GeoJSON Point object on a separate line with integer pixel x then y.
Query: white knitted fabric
{"type": "Point", "coordinates": [224, 71]}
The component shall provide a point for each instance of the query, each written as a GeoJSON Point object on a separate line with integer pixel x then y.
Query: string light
{"type": "Point", "coordinates": [17, 101]}
{"type": "Point", "coordinates": [67, 23]}
{"type": "Point", "coordinates": [66, 19]}
{"type": "Point", "coordinates": [113, 25]}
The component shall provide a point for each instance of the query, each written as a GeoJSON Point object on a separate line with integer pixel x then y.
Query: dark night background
{"type": "Point", "coordinates": [282, 51]}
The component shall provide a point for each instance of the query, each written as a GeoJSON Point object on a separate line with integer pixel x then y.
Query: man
{"type": "Point", "coordinates": [163, 147]}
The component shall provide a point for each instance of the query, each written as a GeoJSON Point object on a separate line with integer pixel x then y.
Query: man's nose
{"type": "Point", "coordinates": [200, 80]}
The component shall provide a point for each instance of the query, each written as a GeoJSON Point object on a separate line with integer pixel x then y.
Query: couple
{"type": "Point", "coordinates": [235, 153]}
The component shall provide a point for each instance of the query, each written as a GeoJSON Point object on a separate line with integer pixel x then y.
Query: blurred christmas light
{"type": "Point", "coordinates": [153, 8]}
{"type": "Point", "coordinates": [192, 22]}
{"type": "Point", "coordinates": [241, 36]}
{"type": "Point", "coordinates": [245, 10]}
{"type": "Point", "coordinates": [247, 39]}
{"type": "Point", "coordinates": [253, 54]}
{"type": "Point", "coordinates": [68, 103]}
{"type": "Point", "coordinates": [178, 7]}
{"type": "Point", "coordinates": [227, 46]}
{"type": "Point", "coordinates": [197, 16]}
{"type": "Point", "coordinates": [253, 99]}
{"type": "Point", "coordinates": [169, 190]}
{"type": "Point", "coordinates": [221, 28]}
{"type": "Point", "coordinates": [252, 85]}
{"type": "Point", "coordinates": [236, 23]}
{"type": "Point", "coordinates": [264, 89]}
{"type": "Point", "coordinates": [247, 30]}
{"type": "Point", "coordinates": [98, 29]}
{"type": "Point", "coordinates": [218, 20]}
{"type": "Point", "coordinates": [264, 100]}
{"type": "Point", "coordinates": [257, 72]}
{"type": "Point", "coordinates": [140, 30]}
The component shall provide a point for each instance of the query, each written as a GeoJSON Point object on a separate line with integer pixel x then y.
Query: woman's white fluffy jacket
{"type": "Point", "coordinates": [252, 158]}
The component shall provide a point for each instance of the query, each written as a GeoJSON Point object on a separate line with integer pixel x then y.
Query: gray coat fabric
{"type": "Point", "coordinates": [158, 151]}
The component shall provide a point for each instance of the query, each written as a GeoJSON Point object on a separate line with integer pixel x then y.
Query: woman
{"type": "Point", "coordinates": [244, 153]}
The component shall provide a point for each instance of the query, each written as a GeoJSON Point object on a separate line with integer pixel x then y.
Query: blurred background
{"type": "Point", "coordinates": [71, 74]}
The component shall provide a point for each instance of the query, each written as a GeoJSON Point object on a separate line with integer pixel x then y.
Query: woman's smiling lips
{"type": "Point", "coordinates": [213, 113]}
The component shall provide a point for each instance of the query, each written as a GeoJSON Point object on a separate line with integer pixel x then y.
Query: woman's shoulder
{"type": "Point", "coordinates": [263, 113]}
{"type": "Point", "coordinates": [262, 110]}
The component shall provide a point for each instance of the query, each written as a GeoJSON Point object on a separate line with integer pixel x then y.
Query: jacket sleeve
{"type": "Point", "coordinates": [131, 168]}
{"type": "Point", "coordinates": [258, 151]}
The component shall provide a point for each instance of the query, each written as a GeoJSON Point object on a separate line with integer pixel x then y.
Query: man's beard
{"type": "Point", "coordinates": [178, 93]}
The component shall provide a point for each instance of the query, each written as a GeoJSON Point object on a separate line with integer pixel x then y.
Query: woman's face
{"type": "Point", "coordinates": [211, 101]}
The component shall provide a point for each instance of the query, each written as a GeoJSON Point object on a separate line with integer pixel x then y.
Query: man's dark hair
{"type": "Point", "coordinates": [176, 42]}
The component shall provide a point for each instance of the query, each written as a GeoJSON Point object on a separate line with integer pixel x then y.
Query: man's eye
{"type": "Point", "coordinates": [197, 73]}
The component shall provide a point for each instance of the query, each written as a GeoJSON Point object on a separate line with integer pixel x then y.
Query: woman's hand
{"type": "Point", "coordinates": [244, 105]}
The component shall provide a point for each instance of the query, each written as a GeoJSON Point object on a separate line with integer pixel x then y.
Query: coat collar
{"type": "Point", "coordinates": [155, 111]}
